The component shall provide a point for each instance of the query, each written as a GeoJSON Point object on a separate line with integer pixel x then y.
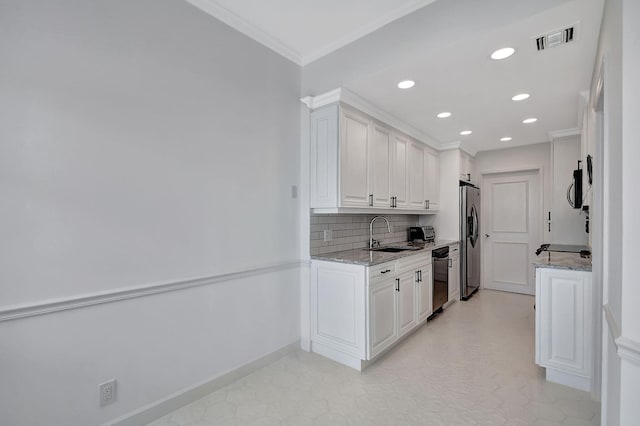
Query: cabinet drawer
{"type": "Point", "coordinates": [413, 262]}
{"type": "Point", "coordinates": [382, 271]}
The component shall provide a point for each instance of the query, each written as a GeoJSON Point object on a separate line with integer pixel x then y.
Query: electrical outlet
{"type": "Point", "coordinates": [107, 392]}
{"type": "Point", "coordinates": [328, 235]}
{"type": "Point", "coordinates": [294, 191]}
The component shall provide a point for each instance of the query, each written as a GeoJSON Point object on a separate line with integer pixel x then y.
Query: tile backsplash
{"type": "Point", "coordinates": [352, 231]}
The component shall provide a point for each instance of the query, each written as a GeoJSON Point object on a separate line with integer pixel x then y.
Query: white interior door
{"type": "Point", "coordinates": [512, 209]}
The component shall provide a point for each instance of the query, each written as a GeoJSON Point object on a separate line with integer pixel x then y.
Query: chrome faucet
{"type": "Point", "coordinates": [371, 240]}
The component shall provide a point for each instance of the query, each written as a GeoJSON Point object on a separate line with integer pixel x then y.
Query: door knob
{"type": "Point", "coordinates": [486, 235]}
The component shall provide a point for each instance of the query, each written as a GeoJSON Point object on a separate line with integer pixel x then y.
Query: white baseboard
{"type": "Point", "coordinates": [567, 379]}
{"type": "Point", "coordinates": [186, 396]}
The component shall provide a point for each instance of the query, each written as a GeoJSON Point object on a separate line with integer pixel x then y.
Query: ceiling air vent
{"type": "Point", "coordinates": [555, 38]}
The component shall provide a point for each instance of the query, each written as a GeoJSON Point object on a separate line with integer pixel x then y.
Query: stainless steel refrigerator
{"type": "Point", "coordinates": [469, 240]}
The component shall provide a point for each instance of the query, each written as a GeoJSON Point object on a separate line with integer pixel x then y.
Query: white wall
{"type": "Point", "coordinates": [568, 223]}
{"type": "Point", "coordinates": [616, 66]}
{"type": "Point", "coordinates": [630, 372]}
{"type": "Point", "coordinates": [520, 158]}
{"type": "Point", "coordinates": [142, 142]}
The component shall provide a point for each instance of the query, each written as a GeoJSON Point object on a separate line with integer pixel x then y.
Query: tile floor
{"type": "Point", "coordinates": [472, 365]}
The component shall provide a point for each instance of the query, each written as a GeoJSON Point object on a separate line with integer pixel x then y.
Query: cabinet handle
{"type": "Point", "coordinates": [370, 200]}
{"type": "Point", "coordinates": [395, 202]}
{"type": "Point", "coordinates": [468, 177]}
{"type": "Point", "coordinates": [417, 276]}
{"type": "Point", "coordinates": [450, 262]}
{"type": "Point", "coordinates": [426, 204]}
{"type": "Point", "coordinates": [398, 285]}
{"type": "Point", "coordinates": [384, 272]}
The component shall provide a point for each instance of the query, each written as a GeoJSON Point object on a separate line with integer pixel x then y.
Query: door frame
{"type": "Point", "coordinates": [539, 169]}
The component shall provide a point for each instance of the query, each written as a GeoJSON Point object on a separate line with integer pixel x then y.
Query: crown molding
{"type": "Point", "coordinates": [236, 22]}
{"type": "Point", "coordinates": [557, 134]}
{"type": "Point", "coordinates": [346, 96]}
{"type": "Point", "coordinates": [230, 18]}
{"type": "Point", "coordinates": [364, 30]}
{"type": "Point", "coordinates": [459, 145]}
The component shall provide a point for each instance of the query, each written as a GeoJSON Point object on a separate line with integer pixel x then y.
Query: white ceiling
{"type": "Point", "coordinates": [451, 76]}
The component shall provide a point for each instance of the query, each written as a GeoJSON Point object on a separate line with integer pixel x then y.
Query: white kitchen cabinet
{"type": "Point", "coordinates": [564, 326]}
{"type": "Point", "coordinates": [381, 166]}
{"type": "Point", "coordinates": [417, 171]}
{"type": "Point", "coordinates": [383, 314]}
{"type": "Point", "coordinates": [432, 179]}
{"type": "Point", "coordinates": [467, 168]}
{"type": "Point", "coordinates": [354, 159]}
{"type": "Point", "coordinates": [400, 177]}
{"type": "Point", "coordinates": [360, 165]}
{"type": "Point", "coordinates": [358, 312]}
{"type": "Point", "coordinates": [424, 292]}
{"type": "Point", "coordinates": [407, 313]}
{"type": "Point", "coordinates": [454, 272]}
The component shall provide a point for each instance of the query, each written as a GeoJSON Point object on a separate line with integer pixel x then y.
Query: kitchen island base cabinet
{"type": "Point", "coordinates": [564, 326]}
{"type": "Point", "coordinates": [359, 312]}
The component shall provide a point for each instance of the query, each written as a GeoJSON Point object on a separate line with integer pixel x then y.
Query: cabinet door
{"type": "Point", "coordinates": [563, 320]}
{"type": "Point", "coordinates": [399, 181]}
{"type": "Point", "coordinates": [382, 316]}
{"type": "Point", "coordinates": [424, 298]}
{"type": "Point", "coordinates": [354, 159]}
{"type": "Point", "coordinates": [454, 278]}
{"type": "Point", "coordinates": [380, 168]}
{"type": "Point", "coordinates": [416, 176]}
{"type": "Point", "coordinates": [407, 315]}
{"type": "Point", "coordinates": [432, 179]}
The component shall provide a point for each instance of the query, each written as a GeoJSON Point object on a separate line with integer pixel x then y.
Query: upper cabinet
{"type": "Point", "coordinates": [468, 168]}
{"type": "Point", "coordinates": [360, 165]}
{"type": "Point", "coordinates": [354, 159]}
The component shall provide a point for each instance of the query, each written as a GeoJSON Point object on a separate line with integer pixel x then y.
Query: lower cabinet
{"type": "Point", "coordinates": [358, 312]}
{"type": "Point", "coordinates": [564, 326]}
{"type": "Point", "coordinates": [383, 315]}
{"type": "Point", "coordinates": [424, 292]}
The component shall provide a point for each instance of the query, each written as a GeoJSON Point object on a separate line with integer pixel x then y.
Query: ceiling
{"type": "Point", "coordinates": [456, 76]}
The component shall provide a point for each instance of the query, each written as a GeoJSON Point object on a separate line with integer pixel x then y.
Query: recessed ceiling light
{"type": "Point", "coordinates": [520, 97]}
{"type": "Point", "coordinates": [406, 84]}
{"type": "Point", "coordinates": [465, 132]}
{"type": "Point", "coordinates": [505, 139]}
{"type": "Point", "coordinates": [503, 53]}
{"type": "Point", "coordinates": [529, 120]}
{"type": "Point", "coordinates": [444, 115]}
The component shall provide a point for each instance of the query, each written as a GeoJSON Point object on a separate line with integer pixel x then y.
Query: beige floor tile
{"type": "Point", "coordinates": [471, 365]}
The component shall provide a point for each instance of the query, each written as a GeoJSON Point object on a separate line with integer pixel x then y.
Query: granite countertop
{"type": "Point", "coordinates": [365, 257]}
{"type": "Point", "coordinates": [563, 260]}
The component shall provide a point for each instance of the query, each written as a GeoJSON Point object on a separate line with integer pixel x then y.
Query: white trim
{"type": "Point", "coordinates": [370, 210]}
{"type": "Point", "coordinates": [239, 24]}
{"type": "Point", "coordinates": [346, 96]}
{"type": "Point", "coordinates": [458, 145]}
{"type": "Point", "coordinates": [564, 133]}
{"type": "Point", "coordinates": [8, 313]}
{"type": "Point", "coordinates": [614, 328]}
{"type": "Point", "coordinates": [364, 30]}
{"type": "Point", "coordinates": [628, 349]}
{"type": "Point", "coordinates": [186, 396]}
{"type": "Point", "coordinates": [572, 380]}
